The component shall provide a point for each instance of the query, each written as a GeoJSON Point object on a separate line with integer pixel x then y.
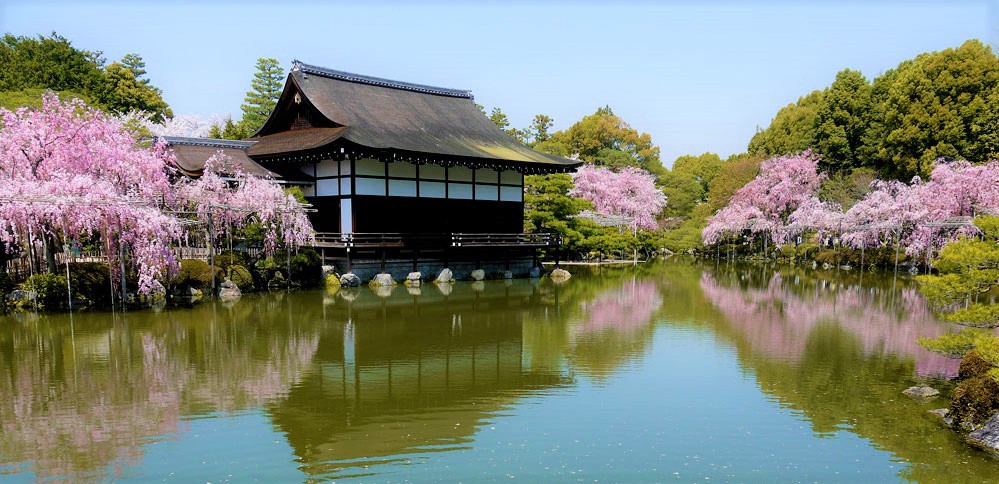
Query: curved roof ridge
{"type": "Point", "coordinates": [209, 142]}
{"type": "Point", "coordinates": [377, 81]}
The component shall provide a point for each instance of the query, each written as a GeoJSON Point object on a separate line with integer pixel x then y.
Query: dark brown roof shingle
{"type": "Point", "coordinates": [390, 115]}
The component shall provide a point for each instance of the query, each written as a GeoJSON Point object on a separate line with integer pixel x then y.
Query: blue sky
{"type": "Point", "coordinates": [697, 76]}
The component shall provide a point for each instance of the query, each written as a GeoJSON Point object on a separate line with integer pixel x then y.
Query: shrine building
{"type": "Point", "coordinates": [399, 174]}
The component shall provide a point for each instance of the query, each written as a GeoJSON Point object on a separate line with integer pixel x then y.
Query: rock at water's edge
{"type": "Point", "coordinates": [382, 280]}
{"type": "Point", "coordinates": [921, 391]}
{"type": "Point", "coordinates": [445, 276]}
{"type": "Point", "coordinates": [940, 412]}
{"type": "Point", "coordinates": [414, 279]}
{"type": "Point", "coordinates": [559, 275]}
{"type": "Point", "coordinates": [478, 275]}
{"type": "Point", "coordinates": [350, 280]}
{"type": "Point", "coordinates": [229, 290]}
{"type": "Point", "coordinates": [987, 436]}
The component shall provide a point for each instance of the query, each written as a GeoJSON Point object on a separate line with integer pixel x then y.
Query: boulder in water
{"type": "Point", "coordinates": [921, 391]}
{"type": "Point", "coordinates": [559, 275]}
{"type": "Point", "coordinates": [229, 291]}
{"type": "Point", "coordinates": [478, 275]}
{"type": "Point", "coordinates": [414, 279]}
{"type": "Point", "coordinates": [382, 280]}
{"type": "Point", "coordinates": [350, 280]}
{"type": "Point", "coordinates": [987, 436]}
{"type": "Point", "coordinates": [445, 276]}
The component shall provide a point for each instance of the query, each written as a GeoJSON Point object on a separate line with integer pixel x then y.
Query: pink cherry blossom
{"type": "Point", "coordinates": [763, 205]}
{"type": "Point", "coordinates": [629, 192]}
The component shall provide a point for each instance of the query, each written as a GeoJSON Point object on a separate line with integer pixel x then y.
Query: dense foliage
{"type": "Point", "coordinates": [29, 65]}
{"type": "Point", "coordinates": [960, 292]}
{"type": "Point", "coordinates": [940, 104]}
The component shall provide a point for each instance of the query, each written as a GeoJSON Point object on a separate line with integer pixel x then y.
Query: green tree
{"type": "Point", "coordinates": [941, 104]}
{"type": "Point", "coordinates": [549, 208]}
{"type": "Point", "coordinates": [792, 129]}
{"type": "Point", "coordinates": [966, 269]}
{"type": "Point", "coordinates": [847, 188]}
{"type": "Point", "coordinates": [265, 89]}
{"type": "Point", "coordinates": [229, 130]}
{"type": "Point", "coordinates": [124, 91]}
{"type": "Point", "coordinates": [841, 122]}
{"type": "Point", "coordinates": [29, 65]}
{"type": "Point", "coordinates": [603, 138]}
{"type": "Point", "coordinates": [48, 63]}
{"type": "Point", "coordinates": [498, 117]}
{"type": "Point", "coordinates": [538, 132]}
{"type": "Point", "coordinates": [33, 98]}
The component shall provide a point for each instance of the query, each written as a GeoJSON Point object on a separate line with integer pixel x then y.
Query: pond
{"type": "Point", "coordinates": [678, 370]}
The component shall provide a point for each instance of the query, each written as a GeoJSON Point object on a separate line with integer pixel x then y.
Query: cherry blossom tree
{"type": "Point", "coordinates": [231, 199]}
{"type": "Point", "coordinates": [763, 205]}
{"type": "Point", "coordinates": [917, 214]}
{"type": "Point", "coordinates": [630, 193]}
{"type": "Point", "coordinates": [69, 171]}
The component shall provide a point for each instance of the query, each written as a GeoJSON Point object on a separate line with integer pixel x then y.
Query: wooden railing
{"type": "Point", "coordinates": [421, 241]}
{"type": "Point", "coordinates": [503, 240]}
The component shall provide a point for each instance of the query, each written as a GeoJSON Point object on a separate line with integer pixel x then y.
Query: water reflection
{"type": "Point", "coordinates": [776, 313]}
{"type": "Point", "coordinates": [840, 353]}
{"type": "Point", "coordinates": [349, 378]}
{"type": "Point", "coordinates": [362, 382]}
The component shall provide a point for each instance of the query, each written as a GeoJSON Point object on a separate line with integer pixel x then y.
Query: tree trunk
{"type": "Point", "coordinates": [50, 251]}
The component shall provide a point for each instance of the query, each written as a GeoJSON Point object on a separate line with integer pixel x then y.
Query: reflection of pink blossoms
{"type": "Point", "coordinates": [777, 321]}
{"type": "Point", "coordinates": [623, 308]}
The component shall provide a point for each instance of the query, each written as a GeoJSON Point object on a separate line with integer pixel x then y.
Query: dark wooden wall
{"type": "Point", "coordinates": [436, 215]}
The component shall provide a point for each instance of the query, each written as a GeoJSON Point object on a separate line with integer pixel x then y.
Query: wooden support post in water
{"type": "Point", "coordinates": [121, 263]}
{"type": "Point", "coordinates": [65, 254]}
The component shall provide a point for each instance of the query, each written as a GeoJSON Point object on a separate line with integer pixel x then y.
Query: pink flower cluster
{"type": "Point", "coordinates": [630, 193]}
{"type": "Point", "coordinates": [764, 205]}
{"type": "Point", "coordinates": [781, 203]}
{"type": "Point", "coordinates": [69, 172]}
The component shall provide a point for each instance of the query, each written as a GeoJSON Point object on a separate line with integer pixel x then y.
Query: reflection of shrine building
{"type": "Point", "coordinates": [396, 377]}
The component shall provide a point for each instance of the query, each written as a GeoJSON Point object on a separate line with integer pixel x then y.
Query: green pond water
{"type": "Point", "coordinates": [675, 371]}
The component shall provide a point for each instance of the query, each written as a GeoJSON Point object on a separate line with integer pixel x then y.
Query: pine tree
{"type": "Point", "coordinates": [265, 89]}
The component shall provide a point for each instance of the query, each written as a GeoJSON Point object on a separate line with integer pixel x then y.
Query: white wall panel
{"type": "Point", "coordinates": [431, 189]}
{"type": "Point", "coordinates": [328, 187]}
{"type": "Point", "coordinates": [369, 167]}
{"type": "Point", "coordinates": [511, 194]}
{"type": "Point", "coordinates": [402, 169]}
{"type": "Point", "coordinates": [325, 168]}
{"type": "Point", "coordinates": [370, 186]}
{"type": "Point", "coordinates": [459, 173]}
{"type": "Point", "coordinates": [486, 192]}
{"type": "Point", "coordinates": [402, 188]}
{"type": "Point", "coordinates": [510, 177]}
{"type": "Point", "coordinates": [460, 191]}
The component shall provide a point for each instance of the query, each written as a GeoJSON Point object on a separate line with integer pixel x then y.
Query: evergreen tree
{"type": "Point", "coordinates": [265, 89]}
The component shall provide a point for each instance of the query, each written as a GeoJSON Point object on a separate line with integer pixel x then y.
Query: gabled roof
{"type": "Point", "coordinates": [380, 114]}
{"type": "Point", "coordinates": [192, 153]}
